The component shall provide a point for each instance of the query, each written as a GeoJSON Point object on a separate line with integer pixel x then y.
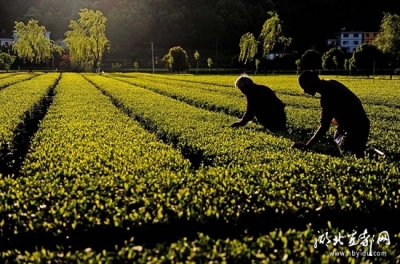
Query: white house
{"type": "Point", "coordinates": [7, 39]}
{"type": "Point", "coordinates": [349, 40]}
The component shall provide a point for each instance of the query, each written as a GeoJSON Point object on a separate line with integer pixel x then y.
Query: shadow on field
{"type": "Point", "coordinates": [107, 237]}
{"type": "Point", "coordinates": [12, 153]}
{"type": "Point", "coordinates": [325, 146]}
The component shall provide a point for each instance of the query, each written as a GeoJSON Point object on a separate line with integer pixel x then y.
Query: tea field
{"type": "Point", "coordinates": [145, 168]}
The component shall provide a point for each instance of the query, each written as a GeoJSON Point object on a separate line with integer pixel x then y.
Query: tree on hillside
{"type": "Point", "coordinates": [32, 13]}
{"type": "Point", "coordinates": [388, 41]}
{"type": "Point", "coordinates": [366, 57]}
{"type": "Point", "coordinates": [232, 19]}
{"type": "Point", "coordinates": [176, 59]}
{"type": "Point", "coordinates": [133, 21]}
{"type": "Point", "coordinates": [86, 41]}
{"type": "Point", "coordinates": [206, 19]}
{"type": "Point", "coordinates": [270, 37]}
{"type": "Point", "coordinates": [31, 44]}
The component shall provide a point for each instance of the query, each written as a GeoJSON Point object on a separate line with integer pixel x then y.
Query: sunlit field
{"type": "Point", "coordinates": [145, 168]}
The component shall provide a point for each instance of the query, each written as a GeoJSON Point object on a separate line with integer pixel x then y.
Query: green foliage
{"type": "Point", "coordinates": [189, 23]}
{"type": "Point", "coordinates": [298, 64]}
{"type": "Point", "coordinates": [366, 57]}
{"type": "Point", "coordinates": [6, 60]}
{"type": "Point", "coordinates": [130, 20]}
{"type": "Point", "coordinates": [19, 99]}
{"type": "Point", "coordinates": [333, 59]}
{"type": "Point", "coordinates": [176, 59]}
{"type": "Point", "coordinates": [311, 60]}
{"type": "Point", "coordinates": [32, 44]}
{"type": "Point", "coordinates": [209, 63]}
{"type": "Point", "coordinates": [257, 62]}
{"type": "Point", "coordinates": [86, 41]}
{"type": "Point", "coordinates": [115, 66]}
{"type": "Point", "coordinates": [271, 36]}
{"type": "Point", "coordinates": [10, 79]}
{"type": "Point", "coordinates": [388, 40]}
{"type": "Point", "coordinates": [196, 56]}
{"type": "Point", "coordinates": [274, 247]}
{"type": "Point", "coordinates": [168, 60]}
{"type": "Point", "coordinates": [248, 47]}
{"type": "Point", "coordinates": [33, 14]}
{"type": "Point", "coordinates": [116, 154]}
{"type": "Point", "coordinates": [136, 65]}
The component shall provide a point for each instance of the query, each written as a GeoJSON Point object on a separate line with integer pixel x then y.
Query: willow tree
{"type": "Point", "coordinates": [32, 44]}
{"type": "Point", "coordinates": [388, 40]}
{"type": "Point", "coordinates": [86, 41]}
{"type": "Point", "coordinates": [248, 47]}
{"type": "Point", "coordinates": [270, 37]}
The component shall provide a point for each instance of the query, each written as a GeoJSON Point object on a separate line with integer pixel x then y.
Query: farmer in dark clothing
{"type": "Point", "coordinates": [263, 104]}
{"type": "Point", "coordinates": [340, 107]}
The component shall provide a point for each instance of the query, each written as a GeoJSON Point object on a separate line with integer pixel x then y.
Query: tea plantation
{"type": "Point", "coordinates": [145, 168]}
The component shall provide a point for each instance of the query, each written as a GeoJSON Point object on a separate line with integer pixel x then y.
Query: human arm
{"type": "Point", "coordinates": [314, 139]}
{"type": "Point", "coordinates": [247, 116]}
{"type": "Point", "coordinates": [325, 121]}
{"type": "Point", "coordinates": [244, 120]}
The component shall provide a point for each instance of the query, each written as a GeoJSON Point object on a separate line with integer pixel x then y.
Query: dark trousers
{"type": "Point", "coordinates": [276, 121]}
{"type": "Point", "coordinates": [355, 141]}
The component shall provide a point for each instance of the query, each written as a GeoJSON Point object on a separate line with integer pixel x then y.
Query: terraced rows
{"type": "Point", "coordinates": [193, 131]}
{"type": "Point", "coordinates": [11, 78]}
{"type": "Point", "coordinates": [302, 111]}
{"type": "Point", "coordinates": [20, 103]}
{"type": "Point", "coordinates": [117, 160]}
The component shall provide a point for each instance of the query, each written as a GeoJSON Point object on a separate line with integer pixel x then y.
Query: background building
{"type": "Point", "coordinates": [348, 41]}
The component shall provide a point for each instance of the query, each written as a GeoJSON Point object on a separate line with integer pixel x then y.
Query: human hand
{"type": "Point", "coordinates": [299, 145]}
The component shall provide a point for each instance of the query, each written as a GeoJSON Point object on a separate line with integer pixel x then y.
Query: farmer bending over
{"type": "Point", "coordinates": [262, 103]}
{"type": "Point", "coordinates": [340, 107]}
